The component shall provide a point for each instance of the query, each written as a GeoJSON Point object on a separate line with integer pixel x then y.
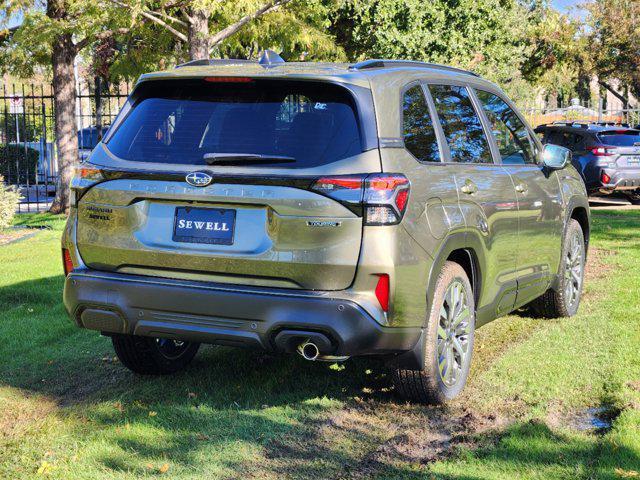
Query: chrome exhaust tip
{"type": "Point", "coordinates": [308, 350]}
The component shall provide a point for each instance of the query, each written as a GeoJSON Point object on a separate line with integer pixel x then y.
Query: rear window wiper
{"type": "Point", "coordinates": [244, 158]}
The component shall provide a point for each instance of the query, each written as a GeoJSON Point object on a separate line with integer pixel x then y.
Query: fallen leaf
{"type": "Point", "coordinates": [627, 473]}
{"type": "Point", "coordinates": [45, 468]}
{"type": "Point", "coordinates": [202, 436]}
{"type": "Point", "coordinates": [164, 468]}
{"type": "Point", "coordinates": [192, 395]}
{"type": "Point", "coordinates": [152, 413]}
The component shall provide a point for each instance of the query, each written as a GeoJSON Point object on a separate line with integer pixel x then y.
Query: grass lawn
{"type": "Point", "coordinates": [69, 410]}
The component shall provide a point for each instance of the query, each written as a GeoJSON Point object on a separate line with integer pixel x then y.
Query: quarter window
{"type": "Point", "coordinates": [417, 128]}
{"type": "Point", "coordinates": [509, 131]}
{"type": "Point", "coordinates": [461, 125]}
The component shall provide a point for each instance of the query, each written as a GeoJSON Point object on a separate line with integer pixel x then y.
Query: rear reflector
{"type": "Point", "coordinates": [67, 263]}
{"type": "Point", "coordinates": [606, 179]}
{"type": "Point", "coordinates": [382, 291]}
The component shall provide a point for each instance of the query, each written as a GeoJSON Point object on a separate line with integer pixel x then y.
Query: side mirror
{"type": "Point", "coordinates": [555, 157]}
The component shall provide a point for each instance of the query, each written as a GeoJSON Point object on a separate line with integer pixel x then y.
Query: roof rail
{"type": "Point", "coordinates": [571, 124]}
{"type": "Point", "coordinates": [215, 61]}
{"type": "Point", "coordinates": [268, 59]}
{"type": "Point", "coordinates": [381, 63]}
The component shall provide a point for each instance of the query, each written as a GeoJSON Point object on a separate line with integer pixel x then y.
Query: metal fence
{"type": "Point", "coordinates": [587, 113]}
{"type": "Point", "coordinates": [28, 156]}
{"type": "Point", "coordinates": [27, 135]}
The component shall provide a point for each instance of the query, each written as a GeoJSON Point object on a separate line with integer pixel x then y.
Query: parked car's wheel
{"type": "Point", "coordinates": [565, 300]}
{"type": "Point", "coordinates": [153, 356]}
{"type": "Point", "coordinates": [634, 197]}
{"type": "Point", "coordinates": [448, 342]}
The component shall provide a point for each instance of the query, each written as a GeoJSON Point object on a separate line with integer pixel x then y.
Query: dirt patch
{"type": "Point", "coordinates": [20, 415]}
{"type": "Point", "coordinates": [14, 234]}
{"type": "Point", "coordinates": [595, 420]}
{"type": "Point", "coordinates": [600, 263]}
{"type": "Point", "coordinates": [371, 437]}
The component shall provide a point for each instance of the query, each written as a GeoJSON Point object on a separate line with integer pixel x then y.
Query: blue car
{"type": "Point", "coordinates": [606, 155]}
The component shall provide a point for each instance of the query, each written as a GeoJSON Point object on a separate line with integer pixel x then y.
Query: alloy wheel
{"type": "Point", "coordinates": [454, 328]}
{"type": "Point", "coordinates": [573, 271]}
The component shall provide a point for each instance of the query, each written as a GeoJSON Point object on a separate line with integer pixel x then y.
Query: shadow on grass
{"type": "Point", "coordinates": [236, 413]}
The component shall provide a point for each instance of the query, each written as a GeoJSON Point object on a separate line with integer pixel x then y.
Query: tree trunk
{"type": "Point", "coordinates": [198, 35]}
{"type": "Point", "coordinates": [64, 101]}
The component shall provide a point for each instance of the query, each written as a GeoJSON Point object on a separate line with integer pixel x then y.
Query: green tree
{"type": "Point", "coordinates": [483, 35]}
{"type": "Point", "coordinates": [53, 37]}
{"type": "Point", "coordinates": [615, 43]}
{"type": "Point", "coordinates": [555, 61]}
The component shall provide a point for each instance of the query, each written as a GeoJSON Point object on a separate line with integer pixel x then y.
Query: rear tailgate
{"type": "Point", "coordinates": [253, 224]}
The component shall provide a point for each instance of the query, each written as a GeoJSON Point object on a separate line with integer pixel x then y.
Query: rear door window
{"type": "Point", "coordinates": [509, 131]}
{"type": "Point", "coordinates": [461, 124]}
{"type": "Point", "coordinates": [417, 127]}
{"type": "Point", "coordinates": [311, 123]}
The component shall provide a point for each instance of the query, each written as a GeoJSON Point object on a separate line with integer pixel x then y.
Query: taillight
{"type": "Point", "coordinates": [382, 291]}
{"type": "Point", "coordinates": [86, 175]}
{"type": "Point", "coordinates": [385, 198]}
{"type": "Point", "coordinates": [606, 179]}
{"type": "Point", "coordinates": [601, 151]}
{"type": "Point", "coordinates": [67, 263]}
{"type": "Point", "coordinates": [344, 188]}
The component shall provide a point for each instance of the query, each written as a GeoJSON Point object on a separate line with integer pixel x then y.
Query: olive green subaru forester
{"type": "Point", "coordinates": [383, 208]}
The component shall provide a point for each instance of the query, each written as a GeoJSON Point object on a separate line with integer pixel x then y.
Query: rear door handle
{"type": "Point", "coordinates": [469, 187]}
{"type": "Point", "coordinates": [521, 188]}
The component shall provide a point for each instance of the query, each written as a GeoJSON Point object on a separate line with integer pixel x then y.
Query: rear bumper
{"type": "Point", "coordinates": [621, 179]}
{"type": "Point", "coordinates": [267, 319]}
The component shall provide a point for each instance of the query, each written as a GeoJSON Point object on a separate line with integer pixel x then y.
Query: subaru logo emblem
{"type": "Point", "coordinates": [198, 179]}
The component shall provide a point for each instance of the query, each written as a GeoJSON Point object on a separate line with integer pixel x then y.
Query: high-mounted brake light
{"type": "Point", "coordinates": [228, 79]}
{"type": "Point", "coordinates": [67, 263]}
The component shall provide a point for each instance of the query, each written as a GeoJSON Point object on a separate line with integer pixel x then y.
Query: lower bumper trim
{"type": "Point", "coordinates": [210, 313]}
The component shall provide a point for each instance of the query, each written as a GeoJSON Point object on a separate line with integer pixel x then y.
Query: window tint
{"type": "Point", "coordinates": [620, 138]}
{"type": "Point", "coordinates": [180, 122]}
{"type": "Point", "coordinates": [461, 124]}
{"type": "Point", "coordinates": [417, 128]}
{"type": "Point", "coordinates": [510, 133]}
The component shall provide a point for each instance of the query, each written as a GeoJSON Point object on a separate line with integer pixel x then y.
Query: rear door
{"type": "Point", "coordinates": [485, 191]}
{"type": "Point", "coordinates": [538, 193]}
{"type": "Point", "coordinates": [213, 180]}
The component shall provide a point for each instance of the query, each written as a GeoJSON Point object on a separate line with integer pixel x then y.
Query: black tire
{"type": "Point", "coordinates": [153, 356]}
{"type": "Point", "coordinates": [563, 301]}
{"type": "Point", "coordinates": [428, 385]}
{"type": "Point", "coordinates": [633, 197]}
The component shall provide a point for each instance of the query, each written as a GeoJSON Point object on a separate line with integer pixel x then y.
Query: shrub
{"type": "Point", "coordinates": [27, 163]}
{"type": "Point", "coordinates": [9, 198]}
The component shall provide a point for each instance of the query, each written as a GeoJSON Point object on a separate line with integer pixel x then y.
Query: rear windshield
{"type": "Point", "coordinates": [628, 138]}
{"type": "Point", "coordinates": [310, 123]}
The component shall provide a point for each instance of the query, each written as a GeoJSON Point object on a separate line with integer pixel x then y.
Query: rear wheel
{"type": "Point", "coordinates": [448, 342]}
{"type": "Point", "coordinates": [634, 197]}
{"type": "Point", "coordinates": [565, 299]}
{"type": "Point", "coordinates": [153, 356]}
